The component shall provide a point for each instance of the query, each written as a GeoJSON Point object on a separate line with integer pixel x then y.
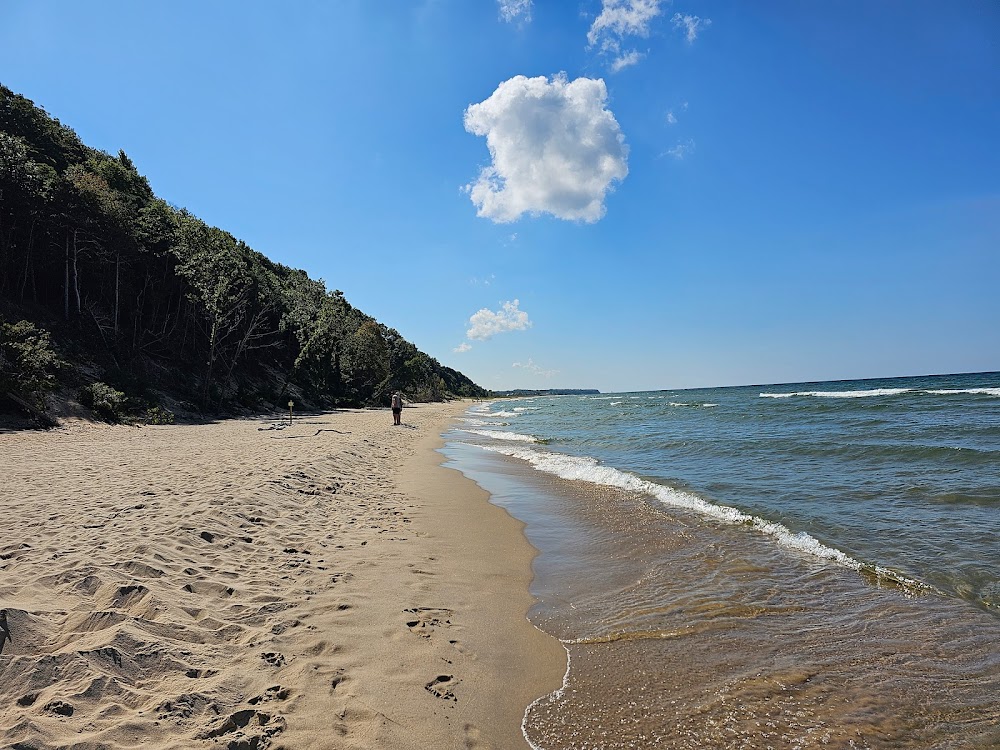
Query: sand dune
{"type": "Point", "coordinates": [322, 586]}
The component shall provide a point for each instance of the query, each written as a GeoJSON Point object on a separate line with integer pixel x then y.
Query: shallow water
{"type": "Point", "coordinates": [705, 602]}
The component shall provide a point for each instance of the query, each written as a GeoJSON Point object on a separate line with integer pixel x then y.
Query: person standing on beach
{"type": "Point", "coordinates": [397, 408]}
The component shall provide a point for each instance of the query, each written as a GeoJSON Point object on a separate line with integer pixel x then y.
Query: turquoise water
{"type": "Point", "coordinates": [793, 566]}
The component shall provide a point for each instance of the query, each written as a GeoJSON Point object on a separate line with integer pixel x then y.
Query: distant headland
{"type": "Point", "coordinates": [549, 392]}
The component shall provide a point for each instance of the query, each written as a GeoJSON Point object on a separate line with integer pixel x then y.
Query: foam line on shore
{"type": "Point", "coordinates": [549, 697]}
{"type": "Point", "coordinates": [586, 469]}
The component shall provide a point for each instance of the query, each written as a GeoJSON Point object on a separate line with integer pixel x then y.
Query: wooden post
{"type": "Point", "coordinates": [290, 405]}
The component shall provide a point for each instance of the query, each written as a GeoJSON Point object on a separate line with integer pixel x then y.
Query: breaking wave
{"type": "Point", "coordinates": [884, 392]}
{"type": "Point", "coordinates": [508, 436]}
{"type": "Point", "coordinates": [586, 469]}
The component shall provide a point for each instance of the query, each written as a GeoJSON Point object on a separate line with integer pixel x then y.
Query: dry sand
{"type": "Point", "coordinates": [324, 586]}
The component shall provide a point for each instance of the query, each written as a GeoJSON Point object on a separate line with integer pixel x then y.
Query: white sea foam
{"type": "Point", "coordinates": [841, 394]}
{"type": "Point", "coordinates": [615, 403]}
{"type": "Point", "coordinates": [499, 413]}
{"type": "Point", "coordinates": [509, 436]}
{"type": "Point", "coordinates": [587, 469]}
{"type": "Point", "coordinates": [555, 695]}
{"type": "Point", "coordinates": [526, 408]}
{"type": "Point", "coordinates": [884, 392]}
{"type": "Point", "coordinates": [484, 422]}
{"type": "Point", "coordinates": [980, 391]}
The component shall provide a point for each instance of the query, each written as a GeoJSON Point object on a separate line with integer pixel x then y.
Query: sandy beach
{"type": "Point", "coordinates": [323, 586]}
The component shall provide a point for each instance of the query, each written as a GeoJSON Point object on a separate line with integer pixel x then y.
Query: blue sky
{"type": "Point", "coordinates": [679, 194]}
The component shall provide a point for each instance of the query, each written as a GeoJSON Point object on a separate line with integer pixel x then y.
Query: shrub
{"type": "Point", "coordinates": [159, 415]}
{"type": "Point", "coordinates": [105, 400]}
{"type": "Point", "coordinates": [27, 363]}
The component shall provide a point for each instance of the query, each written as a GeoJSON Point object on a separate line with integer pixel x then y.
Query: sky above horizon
{"type": "Point", "coordinates": [613, 194]}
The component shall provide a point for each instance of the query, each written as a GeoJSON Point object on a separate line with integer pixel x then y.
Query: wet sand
{"type": "Point", "coordinates": [325, 585]}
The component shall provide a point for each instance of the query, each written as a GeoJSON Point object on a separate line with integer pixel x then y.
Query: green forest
{"type": "Point", "coordinates": [137, 309]}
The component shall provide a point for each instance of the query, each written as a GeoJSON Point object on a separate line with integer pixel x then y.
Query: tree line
{"type": "Point", "coordinates": [147, 298]}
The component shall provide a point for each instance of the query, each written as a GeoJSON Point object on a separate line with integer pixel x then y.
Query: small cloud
{"type": "Point", "coordinates": [463, 347]}
{"type": "Point", "coordinates": [485, 281]}
{"type": "Point", "coordinates": [486, 324]}
{"type": "Point", "coordinates": [622, 18]}
{"type": "Point", "coordinates": [671, 117]}
{"type": "Point", "coordinates": [691, 25]}
{"type": "Point", "coordinates": [626, 60]}
{"type": "Point", "coordinates": [555, 149]}
{"type": "Point", "coordinates": [530, 366]}
{"type": "Point", "coordinates": [512, 10]}
{"type": "Point", "coordinates": [681, 150]}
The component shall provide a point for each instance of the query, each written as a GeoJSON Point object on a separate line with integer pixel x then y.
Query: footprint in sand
{"type": "Point", "coordinates": [274, 693]}
{"type": "Point", "coordinates": [338, 677]}
{"type": "Point", "coordinates": [248, 729]}
{"type": "Point", "coordinates": [427, 619]}
{"type": "Point", "coordinates": [200, 674]}
{"type": "Point", "coordinates": [442, 687]}
{"type": "Point", "coordinates": [273, 658]}
{"type": "Point", "coordinates": [59, 707]}
{"type": "Point", "coordinates": [184, 707]}
{"type": "Point", "coordinates": [472, 735]}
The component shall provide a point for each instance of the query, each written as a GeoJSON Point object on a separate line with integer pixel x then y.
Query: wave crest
{"type": "Point", "coordinates": [588, 469]}
{"type": "Point", "coordinates": [885, 392]}
{"type": "Point", "coordinates": [508, 436]}
{"type": "Point", "coordinates": [841, 394]}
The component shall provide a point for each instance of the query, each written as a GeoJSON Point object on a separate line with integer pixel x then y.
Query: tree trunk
{"type": "Point", "coordinates": [66, 282]}
{"type": "Point", "coordinates": [27, 259]}
{"type": "Point", "coordinates": [76, 274]}
{"type": "Point", "coordinates": [213, 339]}
{"type": "Point", "coordinates": [118, 257]}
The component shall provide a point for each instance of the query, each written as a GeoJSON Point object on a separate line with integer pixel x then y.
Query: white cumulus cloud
{"type": "Point", "coordinates": [511, 10]}
{"type": "Point", "coordinates": [691, 25]}
{"type": "Point", "coordinates": [555, 146]}
{"type": "Point", "coordinates": [463, 347]}
{"type": "Point", "coordinates": [486, 324]}
{"type": "Point", "coordinates": [621, 18]}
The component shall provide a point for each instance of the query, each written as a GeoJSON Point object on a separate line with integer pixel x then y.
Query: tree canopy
{"type": "Point", "coordinates": [149, 298]}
